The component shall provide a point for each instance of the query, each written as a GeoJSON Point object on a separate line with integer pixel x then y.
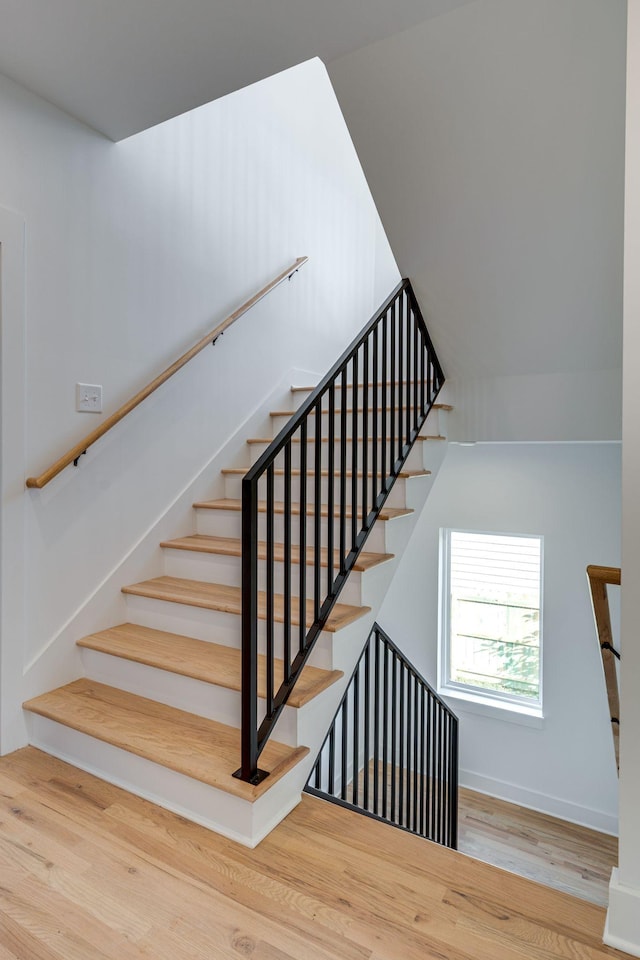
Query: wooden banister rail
{"type": "Point", "coordinates": [599, 578]}
{"type": "Point", "coordinates": [73, 455]}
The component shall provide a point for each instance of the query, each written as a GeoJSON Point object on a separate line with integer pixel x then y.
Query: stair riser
{"type": "Point", "coordinates": [216, 626]}
{"type": "Point", "coordinates": [183, 693]}
{"type": "Point", "coordinates": [299, 396]}
{"type": "Point", "coordinates": [433, 420]}
{"type": "Point", "coordinates": [257, 449]}
{"type": "Point", "coordinates": [228, 523]}
{"type": "Point", "coordinates": [214, 568]}
{"type": "Point", "coordinates": [233, 489]}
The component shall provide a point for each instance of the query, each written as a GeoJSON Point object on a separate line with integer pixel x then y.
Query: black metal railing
{"type": "Point", "coordinates": [338, 458]}
{"type": "Point", "coordinates": [392, 749]}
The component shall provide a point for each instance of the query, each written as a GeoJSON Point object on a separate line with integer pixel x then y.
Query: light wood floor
{"type": "Point", "coordinates": [559, 854]}
{"type": "Point", "coordinates": [88, 872]}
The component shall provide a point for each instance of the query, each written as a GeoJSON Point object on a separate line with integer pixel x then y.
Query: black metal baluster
{"type": "Point", "coordinates": [343, 472]}
{"type": "Point", "coordinates": [366, 722]}
{"type": "Point", "coordinates": [356, 737]}
{"type": "Point", "coordinates": [319, 772]}
{"type": "Point", "coordinates": [249, 730]}
{"type": "Point", "coordinates": [365, 432]}
{"type": "Point", "coordinates": [445, 799]}
{"type": "Point", "coordinates": [431, 785]}
{"type": "Point", "coordinates": [416, 374]}
{"type": "Point", "coordinates": [302, 539]}
{"type": "Point", "coordinates": [422, 376]}
{"type": "Point", "coordinates": [401, 375]}
{"type": "Point", "coordinates": [385, 412]}
{"type": "Point", "coordinates": [374, 424]}
{"type": "Point", "coordinates": [287, 564]}
{"type": "Point", "coordinates": [401, 747]}
{"type": "Point", "coordinates": [392, 403]}
{"type": "Point", "coordinates": [447, 806]}
{"type": "Point", "coordinates": [407, 397]}
{"type": "Point", "coordinates": [394, 722]}
{"type": "Point", "coordinates": [385, 732]}
{"type": "Point", "coordinates": [422, 763]}
{"type": "Point", "coordinates": [270, 591]}
{"type": "Point", "coordinates": [343, 758]}
{"type": "Point", "coordinates": [317, 514]}
{"type": "Point", "coordinates": [354, 453]}
{"type": "Point", "coordinates": [454, 785]}
{"type": "Point", "coordinates": [439, 780]}
{"type": "Point", "coordinates": [332, 760]}
{"type": "Point", "coordinates": [416, 739]}
{"type": "Point", "coordinates": [376, 723]}
{"type": "Point", "coordinates": [330, 491]}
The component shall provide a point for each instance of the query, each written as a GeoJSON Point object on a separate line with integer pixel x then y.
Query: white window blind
{"type": "Point", "coordinates": [492, 613]}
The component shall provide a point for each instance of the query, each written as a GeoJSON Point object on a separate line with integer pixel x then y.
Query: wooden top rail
{"type": "Point", "coordinates": [72, 455]}
{"type": "Point", "coordinates": [607, 574]}
{"type": "Point", "coordinates": [599, 578]}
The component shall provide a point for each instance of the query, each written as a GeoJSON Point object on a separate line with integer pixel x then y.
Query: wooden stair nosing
{"type": "Point", "coordinates": [232, 547]}
{"type": "Point", "coordinates": [227, 503]}
{"type": "Point", "coordinates": [226, 599]}
{"type": "Point", "coordinates": [201, 660]}
{"type": "Point", "coordinates": [194, 746]}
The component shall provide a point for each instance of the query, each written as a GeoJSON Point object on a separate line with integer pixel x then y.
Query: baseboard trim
{"type": "Point", "coordinates": [541, 802]}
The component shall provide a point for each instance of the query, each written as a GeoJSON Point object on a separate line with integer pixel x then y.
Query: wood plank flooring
{"type": "Point", "coordinates": [92, 873]}
{"type": "Point", "coordinates": [534, 845]}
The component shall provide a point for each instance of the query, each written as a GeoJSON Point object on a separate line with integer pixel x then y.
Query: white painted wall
{"type": "Point", "coordinates": [133, 251]}
{"type": "Point", "coordinates": [493, 141]}
{"type": "Point", "coordinates": [569, 493]}
{"type": "Point", "coordinates": [623, 918]}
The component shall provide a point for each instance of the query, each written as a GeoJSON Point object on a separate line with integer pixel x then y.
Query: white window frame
{"type": "Point", "coordinates": [479, 700]}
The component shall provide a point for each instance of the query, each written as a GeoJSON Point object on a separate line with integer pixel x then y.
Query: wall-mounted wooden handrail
{"type": "Point", "coordinates": [599, 578]}
{"type": "Point", "coordinates": [72, 455]}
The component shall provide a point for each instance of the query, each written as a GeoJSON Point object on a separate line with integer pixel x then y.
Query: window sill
{"type": "Point", "coordinates": [464, 702]}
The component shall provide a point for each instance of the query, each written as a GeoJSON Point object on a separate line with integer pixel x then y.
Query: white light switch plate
{"type": "Point", "coordinates": [88, 398]}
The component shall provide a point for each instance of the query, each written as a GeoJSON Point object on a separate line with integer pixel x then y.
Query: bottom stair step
{"type": "Point", "coordinates": [193, 746]}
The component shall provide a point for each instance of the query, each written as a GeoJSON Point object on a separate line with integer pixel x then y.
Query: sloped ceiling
{"type": "Point", "coordinates": [493, 142]}
{"type": "Point", "coordinates": [122, 66]}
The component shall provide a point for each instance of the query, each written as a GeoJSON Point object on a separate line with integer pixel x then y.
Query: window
{"type": "Point", "coordinates": [490, 625]}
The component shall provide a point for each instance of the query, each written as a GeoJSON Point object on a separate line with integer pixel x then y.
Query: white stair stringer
{"type": "Point", "coordinates": [246, 820]}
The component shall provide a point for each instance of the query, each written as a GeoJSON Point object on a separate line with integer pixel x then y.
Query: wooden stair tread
{"type": "Point", "coordinates": [194, 746]}
{"type": "Point", "coordinates": [295, 472]}
{"type": "Point", "coordinates": [426, 436]}
{"type": "Point", "coordinates": [225, 503]}
{"type": "Point", "coordinates": [218, 596]}
{"type": "Point", "coordinates": [232, 547]}
{"type": "Point", "coordinates": [210, 662]}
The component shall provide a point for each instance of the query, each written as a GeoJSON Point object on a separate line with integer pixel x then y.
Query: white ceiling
{"type": "Point", "coordinates": [124, 65]}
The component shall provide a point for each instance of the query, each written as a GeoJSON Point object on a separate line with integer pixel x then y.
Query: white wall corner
{"type": "Point", "coordinates": [622, 929]}
{"type": "Point", "coordinates": [12, 412]}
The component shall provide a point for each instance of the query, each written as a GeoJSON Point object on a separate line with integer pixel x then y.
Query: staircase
{"type": "Point", "coordinates": [159, 708]}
